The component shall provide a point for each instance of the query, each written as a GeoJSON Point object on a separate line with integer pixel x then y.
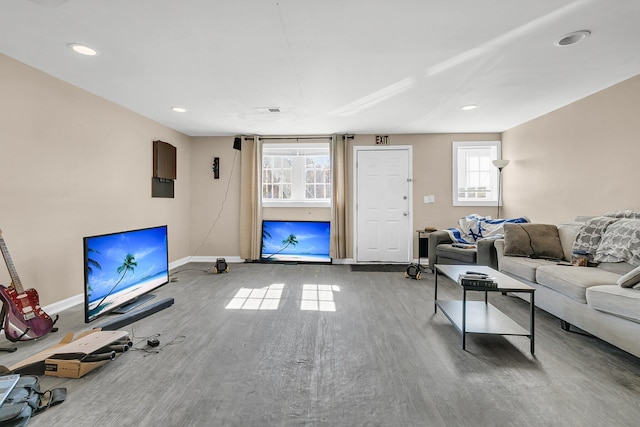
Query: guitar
{"type": "Point", "coordinates": [25, 320]}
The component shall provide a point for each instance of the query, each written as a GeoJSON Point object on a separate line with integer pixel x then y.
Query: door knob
{"type": "Point", "coordinates": [405, 213]}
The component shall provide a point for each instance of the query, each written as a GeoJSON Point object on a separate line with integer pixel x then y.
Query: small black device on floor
{"type": "Point", "coordinates": [414, 271]}
{"type": "Point", "coordinates": [221, 266]}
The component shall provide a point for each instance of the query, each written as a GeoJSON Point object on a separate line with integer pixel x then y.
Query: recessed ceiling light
{"type": "Point", "coordinates": [573, 38]}
{"type": "Point", "coordinates": [82, 49]}
{"type": "Point", "coordinates": [179, 109]}
{"type": "Point", "coordinates": [469, 107]}
{"type": "Point", "coordinates": [267, 109]}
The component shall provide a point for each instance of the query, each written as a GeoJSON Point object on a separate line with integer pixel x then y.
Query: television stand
{"type": "Point", "coordinates": [142, 299]}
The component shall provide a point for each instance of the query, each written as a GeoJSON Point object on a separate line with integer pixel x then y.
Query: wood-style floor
{"type": "Point", "coordinates": [382, 358]}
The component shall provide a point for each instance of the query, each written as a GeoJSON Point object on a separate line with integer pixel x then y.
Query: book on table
{"type": "Point", "coordinates": [478, 280]}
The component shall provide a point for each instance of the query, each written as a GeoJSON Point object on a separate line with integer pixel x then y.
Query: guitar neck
{"type": "Point", "coordinates": [12, 268]}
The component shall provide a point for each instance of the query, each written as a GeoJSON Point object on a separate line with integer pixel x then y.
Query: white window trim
{"type": "Point", "coordinates": [454, 159]}
{"type": "Point", "coordinates": [318, 203]}
{"type": "Point", "coordinates": [296, 204]}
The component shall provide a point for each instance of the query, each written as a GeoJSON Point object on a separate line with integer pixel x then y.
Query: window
{"type": "Point", "coordinates": [475, 179]}
{"type": "Point", "coordinates": [296, 174]}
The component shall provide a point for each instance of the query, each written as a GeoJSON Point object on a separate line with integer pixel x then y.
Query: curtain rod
{"type": "Point", "coordinates": [293, 137]}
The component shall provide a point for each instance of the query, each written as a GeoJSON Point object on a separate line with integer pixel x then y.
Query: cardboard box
{"type": "Point", "coordinates": [73, 358]}
{"type": "Point", "coordinates": [69, 368]}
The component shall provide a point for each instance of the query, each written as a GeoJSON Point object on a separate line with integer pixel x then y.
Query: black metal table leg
{"type": "Point", "coordinates": [435, 294]}
{"type": "Point", "coordinates": [464, 318]}
{"type": "Point", "coordinates": [531, 324]}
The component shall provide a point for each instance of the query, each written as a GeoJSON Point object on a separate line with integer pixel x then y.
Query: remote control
{"type": "Point", "coordinates": [477, 273]}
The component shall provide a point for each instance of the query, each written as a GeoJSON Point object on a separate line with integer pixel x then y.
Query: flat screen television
{"type": "Point", "coordinates": [120, 269]}
{"type": "Point", "coordinates": [295, 241]}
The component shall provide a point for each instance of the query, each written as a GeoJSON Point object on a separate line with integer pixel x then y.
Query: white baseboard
{"type": "Point", "coordinates": [178, 263]}
{"type": "Point", "coordinates": [343, 261]}
{"type": "Point", "coordinates": [212, 259]}
{"type": "Point", "coordinates": [60, 306]}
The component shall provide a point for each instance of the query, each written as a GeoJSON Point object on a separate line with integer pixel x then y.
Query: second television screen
{"type": "Point", "coordinates": [295, 241]}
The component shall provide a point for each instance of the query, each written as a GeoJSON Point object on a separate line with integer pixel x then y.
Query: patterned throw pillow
{"type": "Point", "coordinates": [621, 242]}
{"type": "Point", "coordinates": [589, 236]}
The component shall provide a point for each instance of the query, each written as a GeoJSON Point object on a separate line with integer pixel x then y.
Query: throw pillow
{"type": "Point", "coordinates": [588, 238]}
{"type": "Point", "coordinates": [532, 240]}
{"type": "Point", "coordinates": [630, 279]}
{"type": "Point", "coordinates": [621, 242]}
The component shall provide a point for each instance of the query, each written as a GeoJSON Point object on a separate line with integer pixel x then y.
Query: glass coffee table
{"type": "Point", "coordinates": [480, 317]}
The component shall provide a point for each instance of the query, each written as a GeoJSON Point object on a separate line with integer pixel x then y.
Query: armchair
{"type": "Point", "coordinates": [441, 251]}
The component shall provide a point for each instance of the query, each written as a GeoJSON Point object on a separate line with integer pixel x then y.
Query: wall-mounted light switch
{"type": "Point", "coordinates": [432, 198]}
{"type": "Point", "coordinates": [426, 199]}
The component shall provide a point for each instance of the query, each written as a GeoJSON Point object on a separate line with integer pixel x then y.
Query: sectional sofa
{"type": "Point", "coordinates": [603, 298]}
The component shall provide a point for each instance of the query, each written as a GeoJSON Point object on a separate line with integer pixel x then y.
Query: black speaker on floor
{"type": "Point", "coordinates": [124, 320]}
{"type": "Point", "coordinates": [237, 143]}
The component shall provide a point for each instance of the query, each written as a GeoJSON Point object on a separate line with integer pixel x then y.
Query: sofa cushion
{"type": "Point", "coordinates": [574, 281]}
{"type": "Point", "coordinates": [620, 268]}
{"type": "Point", "coordinates": [448, 251]}
{"type": "Point", "coordinates": [622, 302]}
{"type": "Point", "coordinates": [630, 279]}
{"type": "Point", "coordinates": [534, 240]}
{"type": "Point", "coordinates": [524, 268]}
{"type": "Point", "coordinates": [568, 233]}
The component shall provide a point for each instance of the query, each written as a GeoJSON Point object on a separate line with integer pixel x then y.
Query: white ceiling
{"type": "Point", "coordinates": [357, 66]}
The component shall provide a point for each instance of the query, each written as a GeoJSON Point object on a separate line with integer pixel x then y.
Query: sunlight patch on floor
{"type": "Point", "coordinates": [314, 298]}
{"type": "Point", "coordinates": [267, 298]}
{"type": "Point", "coordinates": [318, 297]}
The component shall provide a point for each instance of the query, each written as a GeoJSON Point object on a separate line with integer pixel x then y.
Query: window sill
{"type": "Point", "coordinates": [295, 204]}
{"type": "Point", "coordinates": [486, 204]}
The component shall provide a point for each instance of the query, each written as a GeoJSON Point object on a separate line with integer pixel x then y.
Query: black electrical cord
{"type": "Point", "coordinates": [221, 207]}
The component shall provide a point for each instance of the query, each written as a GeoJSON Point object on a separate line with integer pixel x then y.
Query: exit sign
{"type": "Point", "coordinates": [382, 139]}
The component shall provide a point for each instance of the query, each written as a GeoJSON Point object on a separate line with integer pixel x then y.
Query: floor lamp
{"type": "Point", "coordinates": [500, 164]}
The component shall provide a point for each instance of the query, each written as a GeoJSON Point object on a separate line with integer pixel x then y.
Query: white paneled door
{"type": "Point", "coordinates": [383, 204]}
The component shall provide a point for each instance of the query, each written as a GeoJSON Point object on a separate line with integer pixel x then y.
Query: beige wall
{"type": "Point", "coordinates": [73, 165]}
{"type": "Point", "coordinates": [564, 164]}
{"type": "Point", "coordinates": [215, 203]}
{"type": "Point", "coordinates": [218, 228]}
{"type": "Point", "coordinates": [215, 221]}
{"type": "Point", "coordinates": [579, 160]}
{"type": "Point", "coordinates": [432, 175]}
